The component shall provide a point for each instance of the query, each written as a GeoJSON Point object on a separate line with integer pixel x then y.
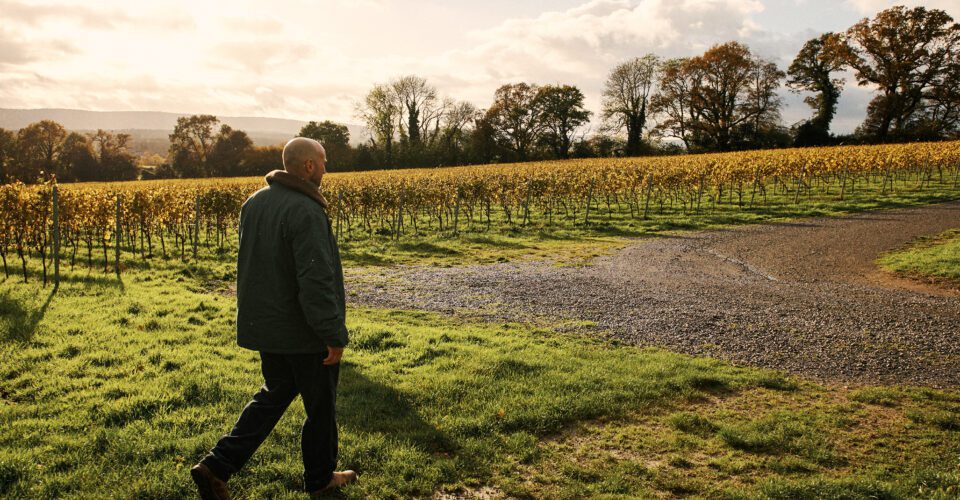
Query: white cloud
{"type": "Point", "coordinates": [580, 45]}
{"type": "Point", "coordinates": [870, 7]}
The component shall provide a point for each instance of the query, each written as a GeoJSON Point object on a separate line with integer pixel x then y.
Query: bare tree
{"type": "Point", "coordinates": [418, 100]}
{"type": "Point", "coordinates": [762, 101]}
{"type": "Point", "coordinates": [458, 116]}
{"type": "Point", "coordinates": [380, 113]}
{"type": "Point", "coordinates": [626, 96]}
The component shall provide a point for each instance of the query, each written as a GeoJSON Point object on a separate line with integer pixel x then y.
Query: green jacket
{"type": "Point", "coordinates": [290, 296]}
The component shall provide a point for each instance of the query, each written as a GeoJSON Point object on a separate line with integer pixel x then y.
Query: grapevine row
{"type": "Point", "coordinates": [174, 218]}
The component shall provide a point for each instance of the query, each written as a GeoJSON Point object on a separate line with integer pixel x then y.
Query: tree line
{"type": "Point", "coordinates": [722, 100]}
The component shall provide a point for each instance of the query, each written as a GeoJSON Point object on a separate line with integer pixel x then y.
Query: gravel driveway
{"type": "Point", "coordinates": [803, 296]}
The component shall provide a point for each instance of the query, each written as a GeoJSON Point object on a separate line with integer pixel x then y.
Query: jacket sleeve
{"type": "Point", "coordinates": [318, 296]}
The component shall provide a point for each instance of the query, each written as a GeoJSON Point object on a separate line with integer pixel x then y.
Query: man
{"type": "Point", "coordinates": [290, 308]}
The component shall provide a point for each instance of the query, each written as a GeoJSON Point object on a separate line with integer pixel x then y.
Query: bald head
{"type": "Point", "coordinates": [306, 159]}
{"type": "Point", "coordinates": [298, 150]}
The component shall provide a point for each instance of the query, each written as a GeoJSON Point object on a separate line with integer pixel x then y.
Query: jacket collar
{"type": "Point", "coordinates": [291, 181]}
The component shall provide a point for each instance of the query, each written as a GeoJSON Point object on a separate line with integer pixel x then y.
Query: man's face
{"type": "Point", "coordinates": [319, 167]}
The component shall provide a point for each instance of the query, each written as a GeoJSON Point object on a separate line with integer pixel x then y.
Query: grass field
{"type": "Point", "coordinates": [935, 258]}
{"type": "Point", "coordinates": [116, 389]}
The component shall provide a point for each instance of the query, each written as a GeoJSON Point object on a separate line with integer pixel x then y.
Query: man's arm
{"type": "Point", "coordinates": [318, 296]}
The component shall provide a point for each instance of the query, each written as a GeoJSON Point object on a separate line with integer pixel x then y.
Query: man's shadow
{"type": "Point", "coordinates": [22, 322]}
{"type": "Point", "coordinates": [368, 406]}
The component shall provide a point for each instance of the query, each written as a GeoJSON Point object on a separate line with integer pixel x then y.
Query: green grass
{"type": "Point", "coordinates": [934, 258]}
{"type": "Point", "coordinates": [112, 389]}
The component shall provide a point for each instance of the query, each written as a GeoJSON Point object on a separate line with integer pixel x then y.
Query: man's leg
{"type": "Point", "coordinates": [317, 385]}
{"type": "Point", "coordinates": [257, 419]}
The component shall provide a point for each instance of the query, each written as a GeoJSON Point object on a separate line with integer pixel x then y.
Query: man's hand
{"type": "Point", "coordinates": [333, 355]}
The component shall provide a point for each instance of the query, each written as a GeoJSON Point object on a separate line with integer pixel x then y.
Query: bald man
{"type": "Point", "coordinates": [291, 309]}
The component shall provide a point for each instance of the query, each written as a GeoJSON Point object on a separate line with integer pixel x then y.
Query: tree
{"type": "Point", "coordinates": [455, 131]}
{"type": "Point", "coordinates": [515, 117]}
{"type": "Point", "coordinates": [810, 71]}
{"type": "Point", "coordinates": [262, 160]}
{"type": "Point", "coordinates": [733, 96]}
{"type": "Point", "coordinates": [77, 160]}
{"type": "Point", "coordinates": [8, 151]}
{"type": "Point", "coordinates": [419, 101]}
{"type": "Point", "coordinates": [677, 79]}
{"type": "Point", "coordinates": [562, 113]}
{"type": "Point", "coordinates": [229, 150]}
{"type": "Point", "coordinates": [114, 161]}
{"type": "Point", "coordinates": [380, 113]}
{"type": "Point", "coordinates": [905, 53]}
{"type": "Point", "coordinates": [626, 95]}
{"type": "Point", "coordinates": [481, 144]}
{"type": "Point", "coordinates": [191, 143]}
{"type": "Point", "coordinates": [38, 149]}
{"type": "Point", "coordinates": [941, 111]}
{"type": "Point", "coordinates": [335, 139]}
{"type": "Point", "coordinates": [599, 145]}
{"type": "Point", "coordinates": [763, 105]}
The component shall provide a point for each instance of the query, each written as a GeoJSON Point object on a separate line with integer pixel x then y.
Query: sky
{"type": "Point", "coordinates": [314, 60]}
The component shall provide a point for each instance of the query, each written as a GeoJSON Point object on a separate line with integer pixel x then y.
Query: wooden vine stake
{"type": "Point", "coordinates": [56, 238]}
{"type": "Point", "coordinates": [116, 242]}
{"type": "Point", "coordinates": [196, 225]}
{"type": "Point", "coordinates": [339, 213]}
{"type": "Point", "coordinates": [456, 213]}
{"type": "Point", "coordinates": [586, 217]}
{"type": "Point", "coordinates": [646, 206]}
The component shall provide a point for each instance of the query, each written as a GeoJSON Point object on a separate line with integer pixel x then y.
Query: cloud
{"type": "Point", "coordinates": [294, 59]}
{"type": "Point", "coordinates": [103, 18]}
{"type": "Point", "coordinates": [253, 26]}
{"type": "Point", "coordinates": [607, 31]}
{"type": "Point", "coordinates": [870, 7]}
{"type": "Point", "coordinates": [260, 55]}
{"type": "Point", "coordinates": [17, 50]}
{"type": "Point", "coordinates": [35, 14]}
{"type": "Point", "coordinates": [581, 44]}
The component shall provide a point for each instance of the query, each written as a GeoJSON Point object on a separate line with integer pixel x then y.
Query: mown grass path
{"type": "Point", "coordinates": [805, 296]}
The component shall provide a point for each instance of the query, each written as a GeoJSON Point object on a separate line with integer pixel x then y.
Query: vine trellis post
{"type": "Point", "coordinates": [116, 244]}
{"type": "Point", "coordinates": [56, 238]}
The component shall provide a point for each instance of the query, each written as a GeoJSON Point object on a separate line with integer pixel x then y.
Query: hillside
{"type": "Point", "coordinates": [149, 129]}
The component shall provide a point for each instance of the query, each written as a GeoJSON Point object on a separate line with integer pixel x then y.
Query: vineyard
{"type": "Point", "coordinates": [100, 224]}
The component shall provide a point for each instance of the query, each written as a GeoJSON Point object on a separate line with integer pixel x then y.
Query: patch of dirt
{"type": "Point", "coordinates": [919, 284]}
{"type": "Point", "coordinates": [803, 296]}
{"type": "Point", "coordinates": [482, 493]}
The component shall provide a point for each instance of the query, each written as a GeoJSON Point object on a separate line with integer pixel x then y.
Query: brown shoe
{"type": "Point", "coordinates": [210, 486]}
{"type": "Point", "coordinates": [339, 479]}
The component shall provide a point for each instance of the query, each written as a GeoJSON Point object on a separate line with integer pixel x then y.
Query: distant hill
{"type": "Point", "coordinates": [149, 129]}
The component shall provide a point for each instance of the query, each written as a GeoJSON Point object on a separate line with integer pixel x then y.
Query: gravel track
{"type": "Point", "coordinates": [803, 296]}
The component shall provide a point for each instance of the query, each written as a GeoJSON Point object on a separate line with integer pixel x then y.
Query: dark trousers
{"type": "Point", "coordinates": [285, 376]}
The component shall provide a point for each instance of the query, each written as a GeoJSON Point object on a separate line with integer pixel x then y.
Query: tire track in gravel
{"type": "Point", "coordinates": [802, 296]}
